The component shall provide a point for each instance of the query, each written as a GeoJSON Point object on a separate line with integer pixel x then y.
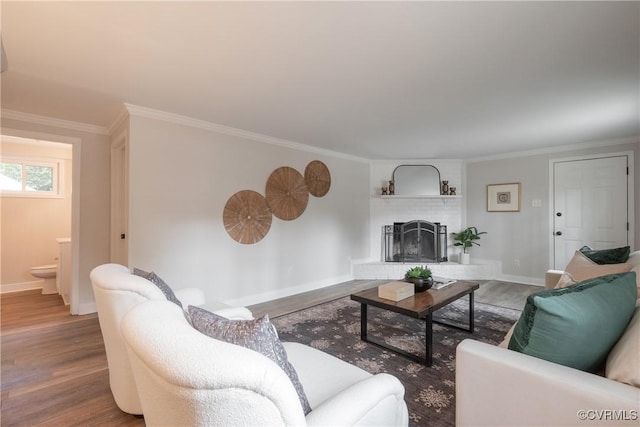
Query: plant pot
{"type": "Point", "coordinates": [464, 258]}
{"type": "Point", "coordinates": [420, 285]}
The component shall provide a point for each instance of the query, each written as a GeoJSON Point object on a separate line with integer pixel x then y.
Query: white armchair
{"type": "Point", "coordinates": [117, 291]}
{"type": "Point", "coordinates": [187, 378]}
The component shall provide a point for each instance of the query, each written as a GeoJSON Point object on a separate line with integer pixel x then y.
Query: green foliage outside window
{"type": "Point", "coordinates": [36, 177]}
{"type": "Point", "coordinates": [39, 178]}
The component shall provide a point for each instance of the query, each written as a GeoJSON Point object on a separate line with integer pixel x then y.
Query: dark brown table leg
{"type": "Point", "coordinates": [428, 356]}
{"type": "Point", "coordinates": [363, 321]}
{"type": "Point", "coordinates": [471, 323]}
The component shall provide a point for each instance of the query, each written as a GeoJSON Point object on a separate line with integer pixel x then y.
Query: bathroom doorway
{"type": "Point", "coordinates": [36, 186]}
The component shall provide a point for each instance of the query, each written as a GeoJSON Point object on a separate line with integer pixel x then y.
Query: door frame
{"type": "Point", "coordinates": [630, 196]}
{"type": "Point", "coordinates": [76, 144]}
{"type": "Point", "coordinates": [119, 198]}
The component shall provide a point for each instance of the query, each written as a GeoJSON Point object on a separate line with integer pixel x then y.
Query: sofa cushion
{"type": "Point", "coordinates": [607, 256]}
{"type": "Point", "coordinates": [161, 284]}
{"type": "Point", "coordinates": [582, 268]}
{"type": "Point", "coordinates": [255, 334]}
{"type": "Point", "coordinates": [623, 362]}
{"type": "Point", "coordinates": [578, 325]}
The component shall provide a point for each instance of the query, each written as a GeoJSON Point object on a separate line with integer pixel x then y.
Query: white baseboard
{"type": "Point", "coordinates": [281, 293]}
{"type": "Point", "coordinates": [521, 279]}
{"type": "Point", "coordinates": [87, 308]}
{"type": "Point", "coordinates": [22, 286]}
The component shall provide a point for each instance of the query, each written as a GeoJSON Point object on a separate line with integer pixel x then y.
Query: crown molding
{"type": "Point", "coordinates": [122, 116]}
{"type": "Point", "coordinates": [558, 149]}
{"type": "Point", "coordinates": [51, 121]}
{"type": "Point", "coordinates": [136, 110]}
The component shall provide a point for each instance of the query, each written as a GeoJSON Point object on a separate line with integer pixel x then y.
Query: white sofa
{"type": "Point", "coordinates": [499, 387]}
{"type": "Point", "coordinates": [187, 378]}
{"type": "Point", "coordinates": [117, 291]}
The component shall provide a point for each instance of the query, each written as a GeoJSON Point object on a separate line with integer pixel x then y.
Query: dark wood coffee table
{"type": "Point", "coordinates": [420, 306]}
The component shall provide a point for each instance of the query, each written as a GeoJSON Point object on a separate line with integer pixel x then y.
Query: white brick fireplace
{"type": "Point", "coordinates": [447, 210]}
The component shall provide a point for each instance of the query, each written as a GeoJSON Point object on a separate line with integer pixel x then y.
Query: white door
{"type": "Point", "coordinates": [590, 206]}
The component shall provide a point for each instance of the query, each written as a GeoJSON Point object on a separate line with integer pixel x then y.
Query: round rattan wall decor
{"type": "Point", "coordinates": [247, 217]}
{"type": "Point", "coordinates": [286, 193]}
{"type": "Point", "coordinates": [317, 178]}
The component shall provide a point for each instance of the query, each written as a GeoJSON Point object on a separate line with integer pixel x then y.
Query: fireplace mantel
{"type": "Point", "coordinates": [388, 197]}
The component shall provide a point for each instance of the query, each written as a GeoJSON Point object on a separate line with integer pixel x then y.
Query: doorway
{"type": "Point", "coordinates": [74, 143]}
{"type": "Point", "coordinates": [591, 204]}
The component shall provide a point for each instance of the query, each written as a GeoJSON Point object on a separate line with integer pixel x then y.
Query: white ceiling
{"type": "Point", "coordinates": [373, 79]}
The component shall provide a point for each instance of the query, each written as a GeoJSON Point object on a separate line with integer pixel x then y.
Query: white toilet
{"type": "Point", "coordinates": [48, 273]}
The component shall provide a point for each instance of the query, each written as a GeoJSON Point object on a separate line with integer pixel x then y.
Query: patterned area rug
{"type": "Point", "coordinates": [334, 327]}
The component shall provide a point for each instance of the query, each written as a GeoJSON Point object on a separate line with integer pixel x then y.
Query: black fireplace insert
{"type": "Point", "coordinates": [415, 241]}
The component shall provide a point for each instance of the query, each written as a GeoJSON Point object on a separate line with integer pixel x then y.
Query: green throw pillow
{"type": "Point", "coordinates": [607, 256]}
{"type": "Point", "coordinates": [578, 325]}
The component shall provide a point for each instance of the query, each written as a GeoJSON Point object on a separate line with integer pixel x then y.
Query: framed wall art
{"type": "Point", "coordinates": [503, 197]}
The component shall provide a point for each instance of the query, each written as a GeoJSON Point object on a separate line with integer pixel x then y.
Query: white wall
{"type": "Point", "coordinates": [90, 219]}
{"type": "Point", "coordinates": [525, 235]}
{"type": "Point", "coordinates": [447, 211]}
{"type": "Point", "coordinates": [180, 180]}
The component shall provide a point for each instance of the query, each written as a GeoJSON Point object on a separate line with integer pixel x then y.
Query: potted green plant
{"type": "Point", "coordinates": [467, 238]}
{"type": "Point", "coordinates": [421, 278]}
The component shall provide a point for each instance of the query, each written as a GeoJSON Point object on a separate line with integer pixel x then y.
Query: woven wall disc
{"type": "Point", "coordinates": [317, 178]}
{"type": "Point", "coordinates": [286, 193]}
{"type": "Point", "coordinates": [247, 217]}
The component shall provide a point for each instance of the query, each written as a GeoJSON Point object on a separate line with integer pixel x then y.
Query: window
{"type": "Point", "coordinates": [23, 177]}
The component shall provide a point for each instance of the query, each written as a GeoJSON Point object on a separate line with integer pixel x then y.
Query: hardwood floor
{"type": "Point", "coordinates": [293, 303]}
{"type": "Point", "coordinates": [54, 366]}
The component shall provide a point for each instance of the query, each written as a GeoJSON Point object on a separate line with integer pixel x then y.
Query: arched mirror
{"type": "Point", "coordinates": [416, 180]}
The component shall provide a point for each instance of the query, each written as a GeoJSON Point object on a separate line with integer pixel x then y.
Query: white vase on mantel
{"type": "Point", "coordinates": [464, 258]}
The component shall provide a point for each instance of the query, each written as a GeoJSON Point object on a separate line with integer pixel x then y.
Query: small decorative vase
{"type": "Point", "coordinates": [465, 258]}
{"type": "Point", "coordinates": [384, 191]}
{"type": "Point", "coordinates": [392, 188]}
{"type": "Point", "coordinates": [445, 188]}
{"type": "Point", "coordinates": [452, 191]}
{"type": "Point", "coordinates": [420, 285]}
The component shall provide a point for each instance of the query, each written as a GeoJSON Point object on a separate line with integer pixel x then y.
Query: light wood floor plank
{"type": "Point", "coordinates": [54, 366]}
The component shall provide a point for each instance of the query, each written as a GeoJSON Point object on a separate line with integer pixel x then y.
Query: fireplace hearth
{"type": "Point", "coordinates": [415, 241]}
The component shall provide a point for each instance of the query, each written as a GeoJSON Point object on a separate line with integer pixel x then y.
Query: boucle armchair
{"type": "Point", "coordinates": [117, 291]}
{"type": "Point", "coordinates": [187, 378]}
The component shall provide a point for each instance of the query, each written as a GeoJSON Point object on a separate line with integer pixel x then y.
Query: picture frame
{"type": "Point", "coordinates": [503, 197]}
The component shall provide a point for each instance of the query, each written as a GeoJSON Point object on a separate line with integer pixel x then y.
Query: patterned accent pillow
{"type": "Point", "coordinates": [607, 256]}
{"type": "Point", "coordinates": [161, 284]}
{"type": "Point", "coordinates": [256, 334]}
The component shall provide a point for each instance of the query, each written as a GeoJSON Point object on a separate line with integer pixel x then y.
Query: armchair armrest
{"type": "Point", "coordinates": [500, 387]}
{"type": "Point", "coordinates": [377, 400]}
{"type": "Point", "coordinates": [190, 296]}
{"type": "Point", "coordinates": [551, 278]}
{"type": "Point", "coordinates": [234, 313]}
{"type": "Point", "coordinates": [195, 297]}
